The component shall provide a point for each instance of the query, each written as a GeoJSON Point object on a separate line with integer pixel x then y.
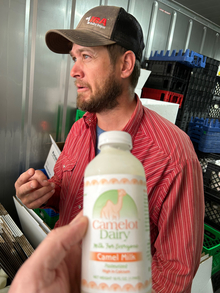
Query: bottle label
{"type": "Point", "coordinates": [116, 249]}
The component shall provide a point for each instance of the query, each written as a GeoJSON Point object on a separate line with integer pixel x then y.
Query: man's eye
{"type": "Point", "coordinates": [85, 56]}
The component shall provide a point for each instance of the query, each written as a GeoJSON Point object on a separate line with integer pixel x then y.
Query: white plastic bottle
{"type": "Point", "coordinates": [116, 253]}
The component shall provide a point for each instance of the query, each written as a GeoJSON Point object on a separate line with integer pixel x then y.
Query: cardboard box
{"type": "Point", "coordinates": [144, 74]}
{"type": "Point", "coordinates": [53, 155]}
{"type": "Point", "coordinates": [33, 227]}
{"type": "Point", "coordinates": [202, 282]}
{"type": "Point", "coordinates": [165, 109]}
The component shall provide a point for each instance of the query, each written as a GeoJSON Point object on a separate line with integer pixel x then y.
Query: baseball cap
{"type": "Point", "coordinates": [100, 26]}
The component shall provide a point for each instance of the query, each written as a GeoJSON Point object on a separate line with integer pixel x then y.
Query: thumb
{"type": "Point", "coordinates": [59, 241]}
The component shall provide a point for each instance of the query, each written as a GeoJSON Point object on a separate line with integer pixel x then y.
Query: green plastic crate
{"type": "Point", "coordinates": [50, 221]}
{"type": "Point", "coordinates": [211, 246]}
{"type": "Point", "coordinates": [79, 114]}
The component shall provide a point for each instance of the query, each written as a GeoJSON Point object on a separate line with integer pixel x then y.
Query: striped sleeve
{"type": "Point", "coordinates": [180, 224]}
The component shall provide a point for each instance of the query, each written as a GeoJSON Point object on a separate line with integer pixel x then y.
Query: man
{"type": "Point", "coordinates": [106, 48]}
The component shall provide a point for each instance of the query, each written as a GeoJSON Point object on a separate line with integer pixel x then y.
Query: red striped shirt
{"type": "Point", "coordinates": [174, 185]}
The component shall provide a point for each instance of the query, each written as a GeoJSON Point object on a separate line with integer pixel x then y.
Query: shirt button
{"type": "Point", "coordinates": [79, 206]}
{"type": "Point", "coordinates": [64, 166]}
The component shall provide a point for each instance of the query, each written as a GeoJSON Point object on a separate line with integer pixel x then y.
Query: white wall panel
{"type": "Point", "coordinates": [12, 19]}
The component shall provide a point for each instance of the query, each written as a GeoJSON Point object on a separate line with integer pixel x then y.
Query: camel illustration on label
{"type": "Point", "coordinates": [114, 205]}
{"type": "Point", "coordinates": [111, 211]}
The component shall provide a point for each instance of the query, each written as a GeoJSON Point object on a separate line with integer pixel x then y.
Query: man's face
{"type": "Point", "coordinates": [97, 80]}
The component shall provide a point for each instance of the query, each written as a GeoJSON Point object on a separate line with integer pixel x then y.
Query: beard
{"type": "Point", "coordinates": [104, 97]}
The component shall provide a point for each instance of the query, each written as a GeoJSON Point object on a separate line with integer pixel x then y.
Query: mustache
{"type": "Point", "coordinates": [82, 84]}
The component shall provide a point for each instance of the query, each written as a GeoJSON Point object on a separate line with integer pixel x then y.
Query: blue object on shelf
{"type": "Point", "coordinates": [205, 134]}
{"type": "Point", "coordinates": [195, 129]}
{"type": "Point", "coordinates": [51, 212]}
{"type": "Point", "coordinates": [191, 59]}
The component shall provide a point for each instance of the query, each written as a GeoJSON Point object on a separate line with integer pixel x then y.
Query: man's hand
{"type": "Point", "coordinates": [33, 188]}
{"type": "Point", "coordinates": [55, 266]}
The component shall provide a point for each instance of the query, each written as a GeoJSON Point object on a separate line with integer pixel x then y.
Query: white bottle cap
{"type": "Point", "coordinates": [114, 137]}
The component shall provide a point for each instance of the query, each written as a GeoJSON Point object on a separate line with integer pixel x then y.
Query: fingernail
{"type": "Point", "coordinates": [32, 185]}
{"type": "Point", "coordinates": [52, 185]}
{"type": "Point", "coordinates": [30, 172]}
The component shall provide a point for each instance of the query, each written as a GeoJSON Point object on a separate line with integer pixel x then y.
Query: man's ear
{"type": "Point", "coordinates": [128, 64]}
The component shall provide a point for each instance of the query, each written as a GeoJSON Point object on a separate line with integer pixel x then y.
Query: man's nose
{"type": "Point", "coordinates": [76, 71]}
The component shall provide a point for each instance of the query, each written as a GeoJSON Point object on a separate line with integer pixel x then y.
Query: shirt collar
{"type": "Point", "coordinates": [90, 119]}
{"type": "Point", "coordinates": [134, 122]}
{"type": "Point", "coordinates": [131, 127]}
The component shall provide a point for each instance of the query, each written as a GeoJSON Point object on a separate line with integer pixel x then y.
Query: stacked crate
{"type": "Point", "coordinates": [189, 58]}
{"type": "Point", "coordinates": [205, 134]}
{"type": "Point", "coordinates": [210, 164]}
{"type": "Point", "coordinates": [193, 85]}
{"type": "Point", "coordinates": [170, 78]}
{"type": "Point", "coordinates": [214, 109]}
{"type": "Point", "coordinates": [199, 94]}
{"type": "Point", "coordinates": [167, 82]}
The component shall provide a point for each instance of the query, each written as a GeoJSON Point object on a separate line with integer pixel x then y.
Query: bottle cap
{"type": "Point", "coordinates": [114, 137]}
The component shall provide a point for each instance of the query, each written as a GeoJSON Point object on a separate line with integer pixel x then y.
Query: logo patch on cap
{"type": "Point", "coordinates": [97, 21]}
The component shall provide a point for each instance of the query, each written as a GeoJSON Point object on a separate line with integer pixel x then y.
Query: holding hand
{"type": "Point", "coordinates": [33, 188]}
{"type": "Point", "coordinates": [55, 266]}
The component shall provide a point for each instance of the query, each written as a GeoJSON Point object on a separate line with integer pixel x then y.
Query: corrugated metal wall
{"type": "Point", "coordinates": [37, 95]}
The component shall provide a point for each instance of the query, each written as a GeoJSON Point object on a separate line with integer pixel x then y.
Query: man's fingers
{"type": "Point", "coordinates": [33, 204]}
{"type": "Point", "coordinates": [40, 177]}
{"type": "Point", "coordinates": [31, 174]}
{"type": "Point", "coordinates": [33, 188]}
{"type": "Point", "coordinates": [24, 177]}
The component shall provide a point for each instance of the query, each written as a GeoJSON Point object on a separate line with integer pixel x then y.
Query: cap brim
{"type": "Point", "coordinates": [61, 41]}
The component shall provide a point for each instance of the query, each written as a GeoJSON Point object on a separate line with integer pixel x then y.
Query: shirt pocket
{"type": "Point", "coordinates": [68, 167]}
